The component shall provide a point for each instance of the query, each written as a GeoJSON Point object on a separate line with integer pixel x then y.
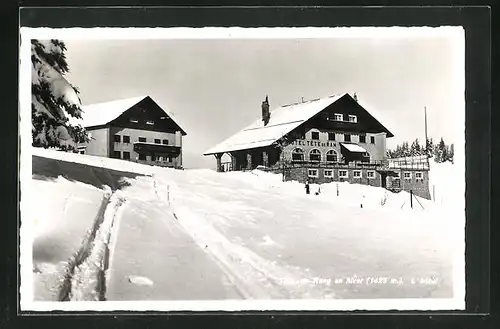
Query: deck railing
{"type": "Point", "coordinates": [386, 164]}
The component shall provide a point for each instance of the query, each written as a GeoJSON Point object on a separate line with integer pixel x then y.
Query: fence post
{"type": "Point", "coordinates": [168, 194]}
{"type": "Point", "coordinates": [411, 199]}
{"type": "Point", "coordinates": [283, 171]}
{"type": "Point", "coordinates": [337, 189]}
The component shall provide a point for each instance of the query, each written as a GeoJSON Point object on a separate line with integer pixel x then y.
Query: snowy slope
{"type": "Point", "coordinates": [259, 227]}
{"type": "Point", "coordinates": [249, 235]}
{"type": "Point", "coordinates": [65, 212]}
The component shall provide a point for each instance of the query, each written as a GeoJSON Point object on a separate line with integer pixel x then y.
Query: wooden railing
{"type": "Point", "coordinates": [373, 164]}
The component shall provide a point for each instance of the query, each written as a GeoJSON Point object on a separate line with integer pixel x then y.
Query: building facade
{"type": "Point", "coordinates": [135, 129]}
{"type": "Point", "coordinates": [323, 140]}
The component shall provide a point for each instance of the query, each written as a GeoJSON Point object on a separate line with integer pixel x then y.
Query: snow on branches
{"type": "Point", "coordinates": [53, 98]}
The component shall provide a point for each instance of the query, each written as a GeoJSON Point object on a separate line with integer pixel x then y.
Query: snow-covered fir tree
{"type": "Point", "coordinates": [54, 100]}
{"type": "Point", "coordinates": [441, 154]}
{"type": "Point", "coordinates": [429, 147]}
{"type": "Point", "coordinates": [415, 149]}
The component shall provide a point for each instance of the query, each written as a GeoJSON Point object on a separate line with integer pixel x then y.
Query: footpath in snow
{"type": "Point", "coordinates": [153, 258]}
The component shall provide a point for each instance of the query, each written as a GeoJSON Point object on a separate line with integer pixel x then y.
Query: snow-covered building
{"type": "Point", "coordinates": [328, 139]}
{"type": "Point", "coordinates": [134, 129]}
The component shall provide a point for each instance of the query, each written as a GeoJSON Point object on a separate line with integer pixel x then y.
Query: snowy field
{"type": "Point", "coordinates": [199, 234]}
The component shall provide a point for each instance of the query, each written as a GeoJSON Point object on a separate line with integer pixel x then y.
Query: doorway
{"type": "Point", "coordinates": [383, 179]}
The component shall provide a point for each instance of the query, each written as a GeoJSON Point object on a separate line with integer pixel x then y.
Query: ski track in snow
{"type": "Point", "coordinates": [88, 282]}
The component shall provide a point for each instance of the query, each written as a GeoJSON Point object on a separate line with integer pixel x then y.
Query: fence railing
{"type": "Point", "coordinates": [409, 163]}
{"type": "Point", "coordinates": [373, 164]}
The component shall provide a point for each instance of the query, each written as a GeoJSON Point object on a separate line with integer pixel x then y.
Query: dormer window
{"type": "Point", "coordinates": [133, 120]}
{"type": "Point", "coordinates": [338, 117]}
{"type": "Point", "coordinates": [150, 122]}
{"type": "Point", "coordinates": [353, 118]}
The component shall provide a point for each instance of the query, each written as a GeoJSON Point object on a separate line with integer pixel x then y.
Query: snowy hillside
{"type": "Point", "coordinates": [199, 234]}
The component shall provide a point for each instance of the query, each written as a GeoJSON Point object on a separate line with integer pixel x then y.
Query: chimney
{"type": "Point", "coordinates": [265, 111]}
{"type": "Point", "coordinates": [355, 97]}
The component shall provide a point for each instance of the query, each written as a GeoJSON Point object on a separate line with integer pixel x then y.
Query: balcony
{"type": "Point", "coordinates": [144, 147]}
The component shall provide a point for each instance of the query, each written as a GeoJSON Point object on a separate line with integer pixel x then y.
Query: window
{"type": "Point", "coordinates": [397, 175]}
{"type": "Point", "coordinates": [298, 154]}
{"type": "Point", "coordinates": [347, 137]}
{"type": "Point", "coordinates": [362, 138]}
{"type": "Point", "coordinates": [328, 173]}
{"type": "Point", "coordinates": [142, 156]}
{"type": "Point", "coordinates": [343, 174]}
{"type": "Point", "coordinates": [370, 174]}
{"type": "Point", "coordinates": [331, 136]}
{"type": "Point", "coordinates": [117, 138]}
{"type": "Point", "coordinates": [169, 159]}
{"type": "Point", "coordinates": [315, 135]}
{"type": "Point", "coordinates": [157, 141]}
{"type": "Point", "coordinates": [153, 157]}
{"type": "Point", "coordinates": [372, 139]}
{"type": "Point", "coordinates": [116, 154]}
{"type": "Point", "coordinates": [418, 175]}
{"type": "Point", "coordinates": [315, 155]}
{"type": "Point", "coordinates": [312, 173]}
{"type": "Point", "coordinates": [356, 174]}
{"type": "Point", "coordinates": [133, 120]}
{"type": "Point", "coordinates": [353, 118]}
{"type": "Point", "coordinates": [126, 139]}
{"type": "Point", "coordinates": [126, 155]}
{"type": "Point", "coordinates": [165, 142]}
{"type": "Point", "coordinates": [331, 156]}
{"type": "Point", "coordinates": [407, 175]}
{"type": "Point", "coordinates": [338, 117]}
{"type": "Point", "coordinates": [142, 139]}
{"type": "Point", "coordinates": [82, 152]}
{"type": "Point", "coordinates": [150, 122]}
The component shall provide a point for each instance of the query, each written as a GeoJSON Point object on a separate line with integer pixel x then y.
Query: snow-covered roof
{"type": "Point", "coordinates": [103, 113]}
{"type": "Point", "coordinates": [353, 147]}
{"type": "Point", "coordinates": [283, 120]}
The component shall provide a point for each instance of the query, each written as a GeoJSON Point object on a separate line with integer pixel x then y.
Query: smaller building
{"type": "Point", "coordinates": [134, 129]}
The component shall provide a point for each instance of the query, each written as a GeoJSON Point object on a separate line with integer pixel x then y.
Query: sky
{"type": "Point", "coordinates": [215, 87]}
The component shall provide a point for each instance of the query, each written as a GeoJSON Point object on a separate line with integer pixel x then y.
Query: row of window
{"type": "Point", "coordinates": [347, 137]}
{"type": "Point", "coordinates": [126, 140]}
{"type": "Point", "coordinates": [126, 156]}
{"type": "Point", "coordinates": [342, 173]}
{"type": "Point", "coordinates": [359, 174]}
{"type": "Point", "coordinates": [314, 155]}
{"type": "Point", "coordinates": [340, 117]}
{"type": "Point", "coordinates": [407, 175]}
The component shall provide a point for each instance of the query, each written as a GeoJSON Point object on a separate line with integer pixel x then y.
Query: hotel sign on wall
{"type": "Point", "coordinates": [303, 142]}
